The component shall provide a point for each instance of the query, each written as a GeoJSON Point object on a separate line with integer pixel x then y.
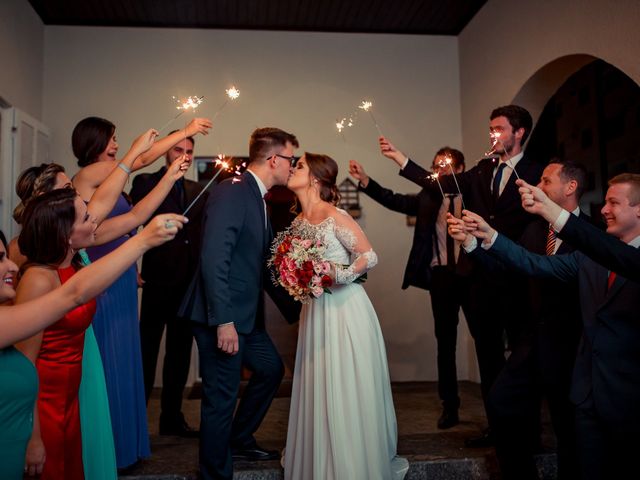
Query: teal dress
{"type": "Point", "coordinates": [98, 451]}
{"type": "Point", "coordinates": [18, 391]}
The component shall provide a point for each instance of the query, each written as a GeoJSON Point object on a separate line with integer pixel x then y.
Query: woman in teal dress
{"type": "Point", "coordinates": [17, 374]}
{"type": "Point", "coordinates": [19, 387]}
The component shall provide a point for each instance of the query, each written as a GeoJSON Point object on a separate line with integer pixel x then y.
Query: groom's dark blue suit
{"type": "Point", "coordinates": [227, 287]}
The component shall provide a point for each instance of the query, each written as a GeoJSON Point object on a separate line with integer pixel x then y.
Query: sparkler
{"type": "Point", "coordinates": [449, 161]}
{"type": "Point", "coordinates": [495, 136]}
{"type": "Point", "coordinates": [232, 94]}
{"type": "Point", "coordinates": [185, 104]}
{"type": "Point", "coordinates": [366, 106]}
{"type": "Point", "coordinates": [434, 176]}
{"type": "Point", "coordinates": [224, 165]}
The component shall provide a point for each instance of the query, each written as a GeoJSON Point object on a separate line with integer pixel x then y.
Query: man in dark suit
{"type": "Point", "coordinates": [543, 355]}
{"type": "Point", "coordinates": [225, 304]}
{"type": "Point", "coordinates": [431, 266]}
{"type": "Point", "coordinates": [166, 273]}
{"type": "Point", "coordinates": [490, 188]}
{"type": "Point", "coordinates": [606, 379]}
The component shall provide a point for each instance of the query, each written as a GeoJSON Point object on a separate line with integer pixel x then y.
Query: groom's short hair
{"type": "Point", "coordinates": [264, 139]}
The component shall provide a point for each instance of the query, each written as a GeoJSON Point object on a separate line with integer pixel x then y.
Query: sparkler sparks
{"type": "Point", "coordinates": [223, 165]}
{"type": "Point", "coordinates": [495, 137]}
{"type": "Point", "coordinates": [434, 176]}
{"type": "Point", "coordinates": [232, 94]}
{"type": "Point", "coordinates": [183, 105]}
{"type": "Point", "coordinates": [366, 106]}
{"type": "Point", "coordinates": [449, 161]}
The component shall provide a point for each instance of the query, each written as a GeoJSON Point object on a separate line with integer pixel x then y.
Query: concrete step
{"type": "Point", "coordinates": [472, 468]}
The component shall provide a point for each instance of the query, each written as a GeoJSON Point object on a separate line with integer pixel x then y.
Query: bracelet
{"type": "Point", "coordinates": [124, 168]}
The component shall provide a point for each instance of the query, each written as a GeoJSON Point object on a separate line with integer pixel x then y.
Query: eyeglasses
{"type": "Point", "coordinates": [292, 160]}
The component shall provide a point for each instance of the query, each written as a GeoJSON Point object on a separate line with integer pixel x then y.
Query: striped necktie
{"type": "Point", "coordinates": [551, 241]}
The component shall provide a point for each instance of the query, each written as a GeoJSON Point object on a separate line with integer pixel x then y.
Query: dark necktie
{"type": "Point", "coordinates": [497, 179]}
{"type": "Point", "coordinates": [551, 241]}
{"type": "Point", "coordinates": [451, 253]}
{"type": "Point", "coordinates": [180, 192]}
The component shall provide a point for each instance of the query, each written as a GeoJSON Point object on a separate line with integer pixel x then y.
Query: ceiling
{"type": "Point", "coordinates": [424, 17]}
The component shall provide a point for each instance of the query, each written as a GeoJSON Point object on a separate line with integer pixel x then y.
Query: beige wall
{"type": "Point", "coordinates": [21, 54]}
{"type": "Point", "coordinates": [508, 42]}
{"type": "Point", "coordinates": [298, 81]}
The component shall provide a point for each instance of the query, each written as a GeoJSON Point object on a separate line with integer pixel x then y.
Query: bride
{"type": "Point", "coordinates": [342, 423]}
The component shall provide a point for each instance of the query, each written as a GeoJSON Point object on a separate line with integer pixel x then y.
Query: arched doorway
{"type": "Point", "coordinates": [588, 111]}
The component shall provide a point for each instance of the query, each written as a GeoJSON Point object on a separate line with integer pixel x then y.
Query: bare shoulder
{"type": "Point", "coordinates": [35, 282]}
{"type": "Point", "coordinates": [90, 177]}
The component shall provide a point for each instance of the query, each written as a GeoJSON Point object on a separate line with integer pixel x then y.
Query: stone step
{"type": "Point", "coordinates": [472, 468]}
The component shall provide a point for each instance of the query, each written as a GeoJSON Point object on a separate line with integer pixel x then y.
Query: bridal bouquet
{"type": "Point", "coordinates": [300, 266]}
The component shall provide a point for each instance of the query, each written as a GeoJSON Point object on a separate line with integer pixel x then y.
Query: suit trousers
{"type": "Point", "coordinates": [447, 298]}
{"type": "Point", "coordinates": [514, 406]}
{"type": "Point", "coordinates": [602, 452]}
{"type": "Point", "coordinates": [159, 308]}
{"type": "Point", "coordinates": [493, 305]}
{"type": "Point", "coordinates": [220, 430]}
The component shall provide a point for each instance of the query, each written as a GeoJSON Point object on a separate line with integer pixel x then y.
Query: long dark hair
{"type": "Point", "coordinates": [46, 229]}
{"type": "Point", "coordinates": [324, 169]}
{"type": "Point", "coordinates": [90, 138]}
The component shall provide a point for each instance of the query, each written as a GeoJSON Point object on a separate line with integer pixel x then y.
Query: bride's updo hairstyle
{"type": "Point", "coordinates": [324, 169]}
{"type": "Point", "coordinates": [35, 181]}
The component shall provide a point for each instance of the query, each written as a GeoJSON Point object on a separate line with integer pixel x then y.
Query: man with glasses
{"type": "Point", "coordinates": [225, 304]}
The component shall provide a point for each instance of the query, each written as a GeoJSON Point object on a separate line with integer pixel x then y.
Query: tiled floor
{"type": "Point", "coordinates": [417, 410]}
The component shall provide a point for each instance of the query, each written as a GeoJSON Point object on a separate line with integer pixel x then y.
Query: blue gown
{"type": "Point", "coordinates": [117, 332]}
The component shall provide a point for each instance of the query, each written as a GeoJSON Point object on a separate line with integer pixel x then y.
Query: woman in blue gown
{"type": "Point", "coordinates": [116, 321]}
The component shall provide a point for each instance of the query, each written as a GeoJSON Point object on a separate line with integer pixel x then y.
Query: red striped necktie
{"type": "Point", "coordinates": [551, 241]}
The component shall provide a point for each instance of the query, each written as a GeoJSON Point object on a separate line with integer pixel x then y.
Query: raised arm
{"type": "Point", "coordinates": [351, 236]}
{"type": "Point", "coordinates": [22, 321]}
{"type": "Point", "coordinates": [101, 183]}
{"type": "Point", "coordinates": [162, 146]}
{"type": "Point", "coordinates": [601, 247]}
{"type": "Point", "coordinates": [115, 227]}
{"type": "Point", "coordinates": [402, 203]}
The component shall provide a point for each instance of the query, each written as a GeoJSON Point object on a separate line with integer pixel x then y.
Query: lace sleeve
{"type": "Point", "coordinates": [363, 258]}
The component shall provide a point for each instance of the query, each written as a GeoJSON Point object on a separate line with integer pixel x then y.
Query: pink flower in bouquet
{"type": "Point", "coordinates": [300, 266]}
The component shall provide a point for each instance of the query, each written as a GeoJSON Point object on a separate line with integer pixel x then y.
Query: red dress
{"type": "Point", "coordinates": [59, 367]}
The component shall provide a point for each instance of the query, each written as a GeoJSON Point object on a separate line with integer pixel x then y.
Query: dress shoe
{"type": "Point", "coordinates": [255, 453]}
{"type": "Point", "coordinates": [448, 419]}
{"type": "Point", "coordinates": [483, 441]}
{"type": "Point", "coordinates": [178, 428]}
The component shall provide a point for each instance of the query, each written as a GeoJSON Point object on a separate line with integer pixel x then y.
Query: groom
{"type": "Point", "coordinates": [225, 304]}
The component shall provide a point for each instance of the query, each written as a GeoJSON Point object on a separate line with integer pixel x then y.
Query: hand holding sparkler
{"type": "Point", "coordinates": [224, 165]}
{"type": "Point", "coordinates": [477, 226]}
{"type": "Point", "coordinates": [144, 142]}
{"type": "Point", "coordinates": [390, 151]}
{"type": "Point", "coordinates": [357, 171]}
{"type": "Point", "coordinates": [198, 125]}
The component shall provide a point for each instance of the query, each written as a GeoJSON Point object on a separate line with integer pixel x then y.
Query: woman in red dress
{"type": "Point", "coordinates": [55, 226]}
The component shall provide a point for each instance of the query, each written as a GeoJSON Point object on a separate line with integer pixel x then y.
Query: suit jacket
{"type": "Point", "coordinates": [172, 263]}
{"type": "Point", "coordinates": [603, 248]}
{"type": "Point", "coordinates": [607, 368]}
{"type": "Point", "coordinates": [506, 215]}
{"type": "Point", "coordinates": [554, 322]}
{"type": "Point", "coordinates": [231, 274]}
{"type": "Point", "coordinates": [424, 206]}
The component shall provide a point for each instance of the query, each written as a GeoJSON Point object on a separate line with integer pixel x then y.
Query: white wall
{"type": "Point", "coordinates": [298, 81]}
{"type": "Point", "coordinates": [21, 54]}
{"type": "Point", "coordinates": [507, 42]}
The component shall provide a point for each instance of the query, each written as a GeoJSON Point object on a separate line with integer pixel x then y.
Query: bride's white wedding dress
{"type": "Point", "coordinates": [342, 423]}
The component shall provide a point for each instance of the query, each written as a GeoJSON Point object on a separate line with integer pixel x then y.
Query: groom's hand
{"type": "Point", "coordinates": [228, 338]}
